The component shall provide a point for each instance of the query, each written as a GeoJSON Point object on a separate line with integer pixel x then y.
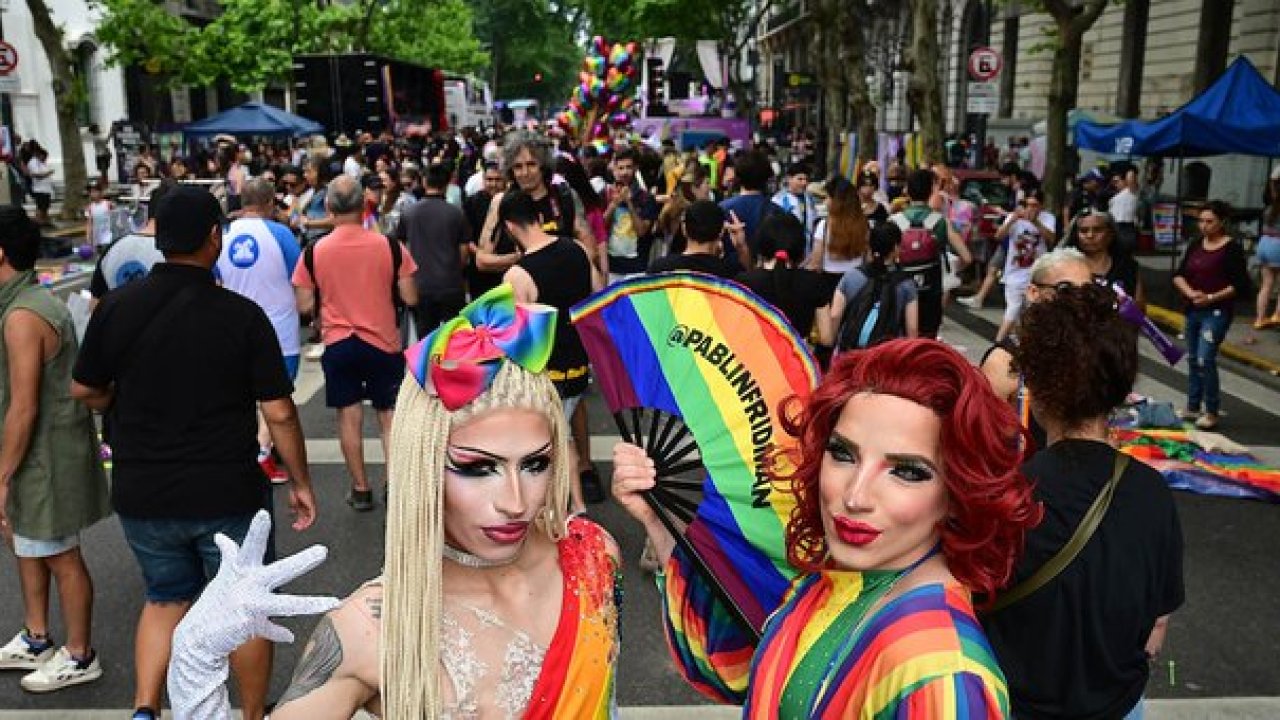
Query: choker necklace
{"type": "Point", "coordinates": [466, 559]}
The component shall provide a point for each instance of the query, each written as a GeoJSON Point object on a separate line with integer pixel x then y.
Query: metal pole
{"type": "Point", "coordinates": [980, 156]}
{"type": "Point", "coordinates": [1177, 219]}
{"type": "Point", "coordinates": [6, 115]}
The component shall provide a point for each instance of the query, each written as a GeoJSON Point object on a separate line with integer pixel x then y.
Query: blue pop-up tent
{"type": "Point", "coordinates": [1240, 113]}
{"type": "Point", "coordinates": [254, 119]}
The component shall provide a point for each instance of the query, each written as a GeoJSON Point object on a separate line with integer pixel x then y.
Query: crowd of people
{"type": "Point", "coordinates": [968, 543]}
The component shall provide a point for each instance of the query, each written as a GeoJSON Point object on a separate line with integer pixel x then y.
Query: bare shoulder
{"type": "Point", "coordinates": [338, 671]}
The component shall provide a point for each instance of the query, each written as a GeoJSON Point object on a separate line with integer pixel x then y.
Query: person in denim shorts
{"type": "Point", "coordinates": [181, 365]}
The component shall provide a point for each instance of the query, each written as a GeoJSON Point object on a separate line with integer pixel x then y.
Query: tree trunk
{"type": "Point", "coordinates": [1133, 55]}
{"type": "Point", "coordinates": [74, 176]}
{"type": "Point", "coordinates": [854, 17]}
{"type": "Point", "coordinates": [1214, 41]}
{"type": "Point", "coordinates": [825, 46]}
{"type": "Point", "coordinates": [859, 92]}
{"type": "Point", "coordinates": [1063, 88]}
{"type": "Point", "coordinates": [1073, 22]}
{"type": "Point", "coordinates": [1008, 76]}
{"type": "Point", "coordinates": [923, 90]}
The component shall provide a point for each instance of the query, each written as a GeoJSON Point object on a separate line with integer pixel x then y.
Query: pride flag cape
{"type": "Point", "coordinates": [722, 360]}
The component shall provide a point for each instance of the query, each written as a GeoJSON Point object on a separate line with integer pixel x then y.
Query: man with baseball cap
{"type": "Point", "coordinates": [180, 365]}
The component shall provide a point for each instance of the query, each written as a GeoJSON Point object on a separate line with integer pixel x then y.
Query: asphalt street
{"type": "Point", "coordinates": [1222, 644]}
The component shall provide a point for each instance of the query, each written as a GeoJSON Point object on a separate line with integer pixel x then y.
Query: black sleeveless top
{"type": "Point", "coordinates": [562, 274]}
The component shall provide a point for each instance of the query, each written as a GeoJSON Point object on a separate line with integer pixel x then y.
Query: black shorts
{"type": "Point", "coordinates": [43, 200]}
{"type": "Point", "coordinates": [929, 309]}
{"type": "Point", "coordinates": [355, 371]}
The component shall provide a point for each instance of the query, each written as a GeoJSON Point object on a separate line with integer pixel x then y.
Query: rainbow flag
{"type": "Point", "coordinates": [723, 360]}
{"type": "Point", "coordinates": [1188, 467]}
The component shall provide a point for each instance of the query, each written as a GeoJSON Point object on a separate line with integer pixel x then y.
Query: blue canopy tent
{"type": "Point", "coordinates": [254, 119]}
{"type": "Point", "coordinates": [1238, 114]}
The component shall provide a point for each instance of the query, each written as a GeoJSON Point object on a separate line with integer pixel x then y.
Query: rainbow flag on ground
{"type": "Point", "coordinates": [1187, 466]}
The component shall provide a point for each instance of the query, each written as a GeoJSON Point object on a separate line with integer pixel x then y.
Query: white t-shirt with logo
{"type": "Point", "coordinates": [1026, 245]}
{"type": "Point", "coordinates": [257, 261]}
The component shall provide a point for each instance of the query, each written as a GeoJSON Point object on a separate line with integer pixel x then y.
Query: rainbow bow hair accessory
{"type": "Point", "coordinates": [458, 361]}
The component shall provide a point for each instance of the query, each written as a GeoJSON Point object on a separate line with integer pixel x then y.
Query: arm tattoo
{"type": "Point", "coordinates": [319, 661]}
{"type": "Point", "coordinates": [375, 607]}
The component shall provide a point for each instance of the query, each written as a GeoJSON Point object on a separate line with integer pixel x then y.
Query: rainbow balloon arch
{"type": "Point", "coordinates": [605, 94]}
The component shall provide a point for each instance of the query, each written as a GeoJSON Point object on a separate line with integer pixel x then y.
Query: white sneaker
{"type": "Point", "coordinates": [314, 352]}
{"type": "Point", "coordinates": [62, 671]}
{"type": "Point", "coordinates": [19, 655]}
{"type": "Point", "coordinates": [970, 302]}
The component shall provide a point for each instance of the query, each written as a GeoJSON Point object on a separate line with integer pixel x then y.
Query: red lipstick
{"type": "Point", "coordinates": [508, 534]}
{"type": "Point", "coordinates": [855, 533]}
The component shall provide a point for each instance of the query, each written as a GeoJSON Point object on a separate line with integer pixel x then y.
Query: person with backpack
{"type": "Point", "coordinates": [877, 301]}
{"type": "Point", "coordinates": [921, 253]}
{"type": "Point", "coordinates": [347, 280]}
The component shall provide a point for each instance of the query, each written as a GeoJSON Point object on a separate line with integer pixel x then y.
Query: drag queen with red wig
{"type": "Point", "coordinates": [909, 500]}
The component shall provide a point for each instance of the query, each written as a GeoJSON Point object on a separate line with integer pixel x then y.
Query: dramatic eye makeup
{"type": "Point", "coordinates": [476, 463]}
{"type": "Point", "coordinates": [904, 466]}
{"type": "Point", "coordinates": [911, 469]}
{"type": "Point", "coordinates": [841, 450]}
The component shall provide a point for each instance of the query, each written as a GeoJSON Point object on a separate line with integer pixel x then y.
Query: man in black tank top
{"type": "Point", "coordinates": [552, 271]}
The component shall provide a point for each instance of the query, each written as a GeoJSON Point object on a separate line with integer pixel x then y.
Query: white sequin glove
{"type": "Point", "coordinates": [234, 608]}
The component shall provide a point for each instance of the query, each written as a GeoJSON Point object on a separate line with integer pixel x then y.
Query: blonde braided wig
{"type": "Point", "coordinates": [413, 595]}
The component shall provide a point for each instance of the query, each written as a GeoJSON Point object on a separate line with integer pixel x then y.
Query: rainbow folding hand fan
{"type": "Point", "coordinates": [694, 369]}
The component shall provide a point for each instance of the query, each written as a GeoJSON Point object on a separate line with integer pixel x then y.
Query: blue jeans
{"type": "Point", "coordinates": [1204, 331]}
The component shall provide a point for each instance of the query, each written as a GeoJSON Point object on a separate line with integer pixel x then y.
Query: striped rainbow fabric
{"type": "Point", "coordinates": [578, 671]}
{"type": "Point", "coordinates": [922, 656]}
{"type": "Point", "coordinates": [722, 359]}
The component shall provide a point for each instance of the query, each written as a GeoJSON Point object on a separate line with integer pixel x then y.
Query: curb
{"type": "Point", "coordinates": [1173, 320]}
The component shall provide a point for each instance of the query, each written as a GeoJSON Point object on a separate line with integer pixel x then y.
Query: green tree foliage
{"type": "Point", "coordinates": [252, 42]}
{"type": "Point", "coordinates": [528, 37]}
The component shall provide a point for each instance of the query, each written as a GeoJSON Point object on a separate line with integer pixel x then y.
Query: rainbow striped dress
{"type": "Point", "coordinates": [922, 655]}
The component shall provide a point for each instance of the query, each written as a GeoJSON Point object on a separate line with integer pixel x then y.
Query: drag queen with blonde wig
{"type": "Point", "coordinates": [492, 603]}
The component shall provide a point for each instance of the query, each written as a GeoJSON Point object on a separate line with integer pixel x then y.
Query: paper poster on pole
{"type": "Point", "coordinates": [1165, 223]}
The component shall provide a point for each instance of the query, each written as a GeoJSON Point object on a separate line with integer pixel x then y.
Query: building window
{"type": "Point", "coordinates": [85, 85]}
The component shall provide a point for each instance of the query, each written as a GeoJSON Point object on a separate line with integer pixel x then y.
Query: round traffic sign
{"type": "Point", "coordinates": [985, 64]}
{"type": "Point", "coordinates": [8, 58]}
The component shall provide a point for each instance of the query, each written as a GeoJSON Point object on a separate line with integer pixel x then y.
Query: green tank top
{"type": "Point", "coordinates": [60, 488]}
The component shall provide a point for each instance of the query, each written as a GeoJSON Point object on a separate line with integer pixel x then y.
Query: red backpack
{"type": "Point", "coordinates": [919, 248]}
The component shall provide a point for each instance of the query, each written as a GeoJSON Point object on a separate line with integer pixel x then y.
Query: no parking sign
{"type": "Point", "coordinates": [985, 64]}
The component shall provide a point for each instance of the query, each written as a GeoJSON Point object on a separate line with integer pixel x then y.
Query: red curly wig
{"type": "Point", "coordinates": [990, 502]}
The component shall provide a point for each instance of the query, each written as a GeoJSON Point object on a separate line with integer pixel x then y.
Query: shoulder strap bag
{"type": "Point", "coordinates": [1079, 539]}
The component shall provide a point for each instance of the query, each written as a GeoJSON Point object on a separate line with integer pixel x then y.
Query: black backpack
{"type": "Point", "coordinates": [397, 259]}
{"type": "Point", "coordinates": [872, 316]}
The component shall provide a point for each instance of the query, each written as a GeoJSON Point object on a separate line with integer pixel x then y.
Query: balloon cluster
{"type": "Point", "coordinates": [604, 95]}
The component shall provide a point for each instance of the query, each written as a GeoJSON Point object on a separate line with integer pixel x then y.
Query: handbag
{"type": "Point", "coordinates": [1060, 561]}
